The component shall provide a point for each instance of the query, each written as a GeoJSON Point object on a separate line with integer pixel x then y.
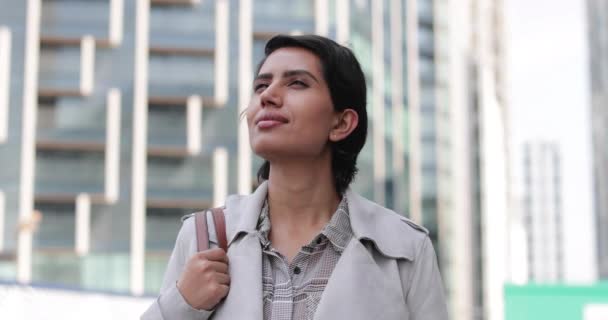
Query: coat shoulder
{"type": "Point", "coordinates": [413, 224]}
{"type": "Point", "coordinates": [393, 235]}
{"type": "Point", "coordinates": [404, 228]}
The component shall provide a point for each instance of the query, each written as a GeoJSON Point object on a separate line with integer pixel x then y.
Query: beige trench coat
{"type": "Point", "coordinates": [387, 271]}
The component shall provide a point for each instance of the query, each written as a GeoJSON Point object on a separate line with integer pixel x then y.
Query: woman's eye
{"type": "Point", "coordinates": [259, 86]}
{"type": "Point", "coordinates": [299, 83]}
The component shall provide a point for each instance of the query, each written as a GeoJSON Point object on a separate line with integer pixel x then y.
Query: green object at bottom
{"type": "Point", "coordinates": [555, 302]}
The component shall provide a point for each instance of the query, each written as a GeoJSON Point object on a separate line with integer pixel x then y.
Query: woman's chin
{"type": "Point", "coordinates": [268, 151]}
{"type": "Point", "coordinates": [271, 153]}
{"type": "Point", "coordinates": [265, 144]}
{"type": "Point", "coordinates": [275, 150]}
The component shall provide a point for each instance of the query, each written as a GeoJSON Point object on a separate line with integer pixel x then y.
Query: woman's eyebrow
{"type": "Point", "coordinates": [264, 76]}
{"type": "Point", "coordinates": [286, 74]}
{"type": "Point", "coordinates": [298, 72]}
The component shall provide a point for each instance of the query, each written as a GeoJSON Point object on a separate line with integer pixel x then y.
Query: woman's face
{"type": "Point", "coordinates": [290, 113]}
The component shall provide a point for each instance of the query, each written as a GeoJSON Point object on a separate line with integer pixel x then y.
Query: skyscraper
{"type": "Point", "coordinates": [125, 116]}
{"type": "Point", "coordinates": [474, 196]}
{"type": "Point", "coordinates": [597, 12]}
{"type": "Point", "coordinates": [542, 207]}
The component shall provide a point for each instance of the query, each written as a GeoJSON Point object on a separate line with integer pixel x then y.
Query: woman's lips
{"type": "Point", "coordinates": [268, 120]}
{"type": "Point", "coordinates": [267, 124]}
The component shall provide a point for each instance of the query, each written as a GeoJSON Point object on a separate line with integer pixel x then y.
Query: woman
{"type": "Point", "coordinates": [303, 245]}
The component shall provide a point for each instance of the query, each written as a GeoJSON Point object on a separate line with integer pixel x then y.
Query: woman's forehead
{"type": "Point", "coordinates": [291, 58]}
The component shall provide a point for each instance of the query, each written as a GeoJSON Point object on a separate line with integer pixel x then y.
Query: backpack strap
{"type": "Point", "coordinates": [202, 230]}
{"type": "Point", "coordinates": [220, 227]}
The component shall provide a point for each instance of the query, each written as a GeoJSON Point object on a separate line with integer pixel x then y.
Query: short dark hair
{"type": "Point", "coordinates": [348, 90]}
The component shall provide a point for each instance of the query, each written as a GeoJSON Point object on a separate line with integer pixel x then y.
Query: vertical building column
{"type": "Point", "coordinates": [459, 271]}
{"type": "Point", "coordinates": [598, 38]}
{"type": "Point", "coordinates": [342, 21]}
{"type": "Point", "coordinates": [5, 71]}
{"type": "Point", "coordinates": [245, 79]}
{"type": "Point", "coordinates": [2, 218]}
{"type": "Point", "coordinates": [28, 140]}
{"type": "Point", "coordinates": [194, 114]}
{"type": "Point", "coordinates": [413, 94]}
{"type": "Point", "coordinates": [492, 169]}
{"type": "Point", "coordinates": [321, 18]}
{"type": "Point", "coordinates": [140, 133]}
{"type": "Point", "coordinates": [398, 160]}
{"type": "Point", "coordinates": [221, 52]}
{"type": "Point", "coordinates": [220, 176]}
{"type": "Point", "coordinates": [115, 28]}
{"type": "Point", "coordinates": [112, 152]}
{"type": "Point", "coordinates": [378, 101]}
{"type": "Point", "coordinates": [83, 224]}
{"type": "Point", "coordinates": [493, 204]}
{"type": "Point", "coordinates": [87, 64]}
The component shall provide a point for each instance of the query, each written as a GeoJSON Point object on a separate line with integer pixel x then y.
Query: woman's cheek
{"type": "Point", "coordinates": [250, 115]}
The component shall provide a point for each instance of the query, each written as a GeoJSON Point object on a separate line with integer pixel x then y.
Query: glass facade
{"type": "Point", "coordinates": [428, 118]}
{"type": "Point", "coordinates": [86, 90]}
{"type": "Point", "coordinates": [598, 42]}
{"type": "Point", "coordinates": [542, 212]}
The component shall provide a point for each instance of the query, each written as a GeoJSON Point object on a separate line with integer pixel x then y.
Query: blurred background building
{"type": "Point", "coordinates": [119, 117]}
{"type": "Point", "coordinates": [542, 206]}
{"type": "Point", "coordinates": [474, 199]}
{"type": "Point", "coordinates": [598, 51]}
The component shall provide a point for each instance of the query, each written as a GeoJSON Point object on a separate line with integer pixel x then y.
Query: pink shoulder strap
{"type": "Point", "coordinates": [202, 230]}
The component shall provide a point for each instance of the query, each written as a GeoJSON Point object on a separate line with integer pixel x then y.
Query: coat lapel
{"type": "Point", "coordinates": [359, 289]}
{"type": "Point", "coordinates": [362, 286]}
{"type": "Point", "coordinates": [244, 300]}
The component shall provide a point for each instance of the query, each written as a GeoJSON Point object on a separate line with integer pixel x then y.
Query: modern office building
{"type": "Point", "coordinates": [597, 12]}
{"type": "Point", "coordinates": [474, 193]}
{"type": "Point", "coordinates": [543, 213]}
{"type": "Point", "coordinates": [122, 116]}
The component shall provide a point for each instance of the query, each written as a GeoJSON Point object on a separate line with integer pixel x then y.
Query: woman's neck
{"type": "Point", "coordinates": [301, 194]}
{"type": "Point", "coordinates": [302, 199]}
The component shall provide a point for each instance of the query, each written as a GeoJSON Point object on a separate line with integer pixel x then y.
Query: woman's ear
{"type": "Point", "coordinates": [345, 123]}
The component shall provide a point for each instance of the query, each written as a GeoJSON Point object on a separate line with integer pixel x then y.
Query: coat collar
{"type": "Point", "coordinates": [391, 234]}
{"type": "Point", "coordinates": [242, 212]}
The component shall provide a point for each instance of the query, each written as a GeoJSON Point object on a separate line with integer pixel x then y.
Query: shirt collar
{"type": "Point", "coordinates": [337, 230]}
{"type": "Point", "coordinates": [393, 235]}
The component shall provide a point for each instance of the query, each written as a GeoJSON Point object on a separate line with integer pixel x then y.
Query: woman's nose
{"type": "Point", "coordinates": [271, 96]}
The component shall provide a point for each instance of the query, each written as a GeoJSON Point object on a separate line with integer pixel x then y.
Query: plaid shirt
{"type": "Point", "coordinates": [293, 290]}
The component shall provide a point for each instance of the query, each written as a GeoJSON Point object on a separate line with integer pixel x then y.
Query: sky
{"type": "Point", "coordinates": [549, 97]}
